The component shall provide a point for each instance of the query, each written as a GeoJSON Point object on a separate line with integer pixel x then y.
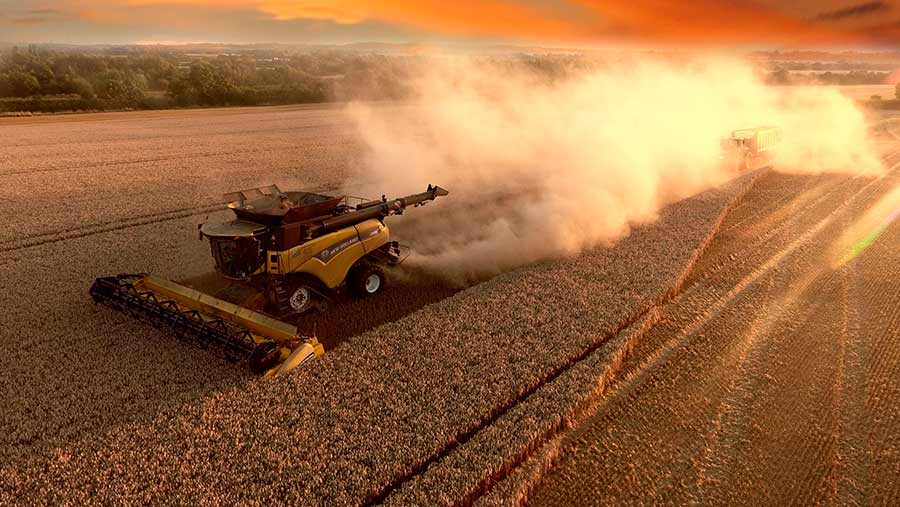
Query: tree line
{"type": "Point", "coordinates": [43, 80]}
{"type": "Point", "coordinates": [854, 77]}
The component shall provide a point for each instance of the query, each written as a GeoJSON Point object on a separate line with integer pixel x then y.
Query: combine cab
{"type": "Point", "coordinates": [295, 249]}
{"type": "Point", "coordinates": [751, 149]}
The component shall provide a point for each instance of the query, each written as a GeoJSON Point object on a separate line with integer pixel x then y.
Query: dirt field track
{"type": "Point", "coordinates": [742, 349]}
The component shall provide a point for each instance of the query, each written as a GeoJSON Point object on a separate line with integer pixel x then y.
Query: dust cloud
{"type": "Point", "coordinates": [540, 168]}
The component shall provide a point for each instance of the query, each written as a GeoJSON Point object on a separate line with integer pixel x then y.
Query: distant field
{"type": "Point", "coordinates": [861, 92]}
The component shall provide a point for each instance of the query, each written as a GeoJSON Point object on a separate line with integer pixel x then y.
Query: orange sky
{"type": "Point", "coordinates": [689, 22]}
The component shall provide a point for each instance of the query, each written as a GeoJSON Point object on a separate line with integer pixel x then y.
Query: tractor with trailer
{"type": "Point", "coordinates": [295, 249]}
{"type": "Point", "coordinates": [752, 148]}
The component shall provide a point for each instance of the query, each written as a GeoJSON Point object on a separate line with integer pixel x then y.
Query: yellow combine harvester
{"type": "Point", "coordinates": [753, 148]}
{"type": "Point", "coordinates": [298, 249]}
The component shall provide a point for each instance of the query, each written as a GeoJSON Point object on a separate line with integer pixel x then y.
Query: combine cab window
{"type": "Point", "coordinates": [237, 258]}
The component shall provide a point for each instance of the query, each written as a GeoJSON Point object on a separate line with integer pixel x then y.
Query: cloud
{"type": "Point", "coordinates": [853, 11]}
{"type": "Point", "coordinates": [586, 21]}
{"type": "Point", "coordinates": [42, 12]}
{"type": "Point", "coordinates": [716, 21]}
{"type": "Point", "coordinates": [583, 21]}
{"type": "Point", "coordinates": [574, 22]}
{"type": "Point", "coordinates": [28, 21]}
{"type": "Point", "coordinates": [334, 11]}
{"type": "Point", "coordinates": [26, 17]}
{"type": "Point", "coordinates": [507, 18]}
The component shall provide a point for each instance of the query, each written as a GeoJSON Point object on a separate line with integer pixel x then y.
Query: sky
{"type": "Point", "coordinates": [726, 23]}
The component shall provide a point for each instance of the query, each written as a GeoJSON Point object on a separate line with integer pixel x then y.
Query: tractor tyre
{"type": "Point", "coordinates": [748, 162]}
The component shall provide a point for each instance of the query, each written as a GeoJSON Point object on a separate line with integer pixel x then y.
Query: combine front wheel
{"type": "Point", "coordinates": [300, 299]}
{"type": "Point", "coordinates": [302, 295]}
{"type": "Point", "coordinates": [367, 280]}
{"type": "Point", "coordinates": [291, 297]}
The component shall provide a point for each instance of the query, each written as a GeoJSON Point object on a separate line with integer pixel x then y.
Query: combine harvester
{"type": "Point", "coordinates": [295, 249]}
{"type": "Point", "coordinates": [751, 149]}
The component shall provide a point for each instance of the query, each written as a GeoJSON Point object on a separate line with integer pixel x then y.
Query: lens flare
{"type": "Point", "coordinates": [871, 227]}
